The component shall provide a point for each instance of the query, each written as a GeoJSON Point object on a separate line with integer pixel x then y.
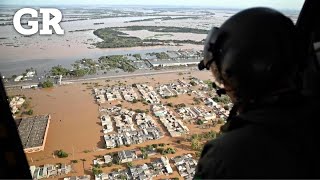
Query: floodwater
{"type": "Point", "coordinates": [42, 51]}
{"type": "Point", "coordinates": [74, 118]}
{"type": "Point", "coordinates": [75, 126]}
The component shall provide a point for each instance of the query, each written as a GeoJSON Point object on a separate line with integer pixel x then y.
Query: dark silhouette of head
{"type": "Point", "coordinates": [253, 54]}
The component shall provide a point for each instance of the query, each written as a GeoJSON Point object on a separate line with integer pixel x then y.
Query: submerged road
{"type": "Point", "coordinates": [127, 75]}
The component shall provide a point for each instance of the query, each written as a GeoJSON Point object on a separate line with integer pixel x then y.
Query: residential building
{"type": "Point", "coordinates": [49, 171]}
{"type": "Point", "coordinates": [174, 126]}
{"type": "Point", "coordinates": [186, 166]}
{"type": "Point", "coordinates": [126, 156]}
{"type": "Point", "coordinates": [106, 123]}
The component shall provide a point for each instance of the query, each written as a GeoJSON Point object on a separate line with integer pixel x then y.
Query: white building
{"type": "Point", "coordinates": [166, 164]}
{"type": "Point", "coordinates": [106, 123]}
{"type": "Point", "coordinates": [18, 78]}
{"type": "Point", "coordinates": [30, 74]}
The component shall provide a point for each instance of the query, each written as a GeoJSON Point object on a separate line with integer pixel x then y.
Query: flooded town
{"type": "Point", "coordinates": [118, 96]}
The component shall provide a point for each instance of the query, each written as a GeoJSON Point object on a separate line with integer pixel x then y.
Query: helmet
{"type": "Point", "coordinates": [254, 52]}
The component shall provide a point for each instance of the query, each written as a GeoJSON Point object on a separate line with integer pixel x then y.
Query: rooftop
{"type": "Point", "coordinates": [32, 130]}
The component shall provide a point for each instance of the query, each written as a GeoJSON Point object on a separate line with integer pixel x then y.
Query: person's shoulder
{"type": "Point", "coordinates": [216, 155]}
{"type": "Point", "coordinates": [220, 147]}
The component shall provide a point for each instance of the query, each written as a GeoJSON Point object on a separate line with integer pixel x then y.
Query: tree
{"type": "Point", "coordinates": [46, 84]}
{"type": "Point", "coordinates": [82, 72]}
{"type": "Point", "coordinates": [164, 152]}
{"type": "Point", "coordinates": [200, 122]}
{"type": "Point", "coordinates": [142, 149]}
{"type": "Point", "coordinates": [198, 154]}
{"type": "Point", "coordinates": [14, 76]}
{"type": "Point", "coordinates": [134, 101]}
{"type": "Point", "coordinates": [61, 154]}
{"type": "Point", "coordinates": [210, 84]}
{"type": "Point", "coordinates": [129, 164]}
{"type": "Point", "coordinates": [96, 171]}
{"type": "Point", "coordinates": [195, 136]}
{"type": "Point", "coordinates": [223, 99]}
{"type": "Point", "coordinates": [139, 111]}
{"type": "Point", "coordinates": [210, 135]}
{"type": "Point", "coordinates": [29, 112]}
{"type": "Point", "coordinates": [196, 100]}
{"type": "Point", "coordinates": [160, 150]}
{"type": "Point", "coordinates": [137, 56]}
{"type": "Point", "coordinates": [154, 145]}
{"type": "Point", "coordinates": [170, 104]}
{"type": "Point", "coordinates": [59, 70]}
{"type": "Point", "coordinates": [149, 148]}
{"type": "Point", "coordinates": [145, 155]}
{"type": "Point", "coordinates": [195, 144]}
{"type": "Point", "coordinates": [180, 105]}
{"type": "Point", "coordinates": [97, 166]}
{"type": "Point", "coordinates": [171, 151]}
{"type": "Point", "coordinates": [26, 104]}
{"type": "Point", "coordinates": [109, 164]}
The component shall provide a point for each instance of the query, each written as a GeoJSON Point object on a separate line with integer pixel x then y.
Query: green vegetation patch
{"type": "Point", "coordinates": [46, 84]}
{"type": "Point", "coordinates": [116, 61]}
{"type": "Point", "coordinates": [61, 154]}
{"type": "Point", "coordinates": [161, 55]}
{"type": "Point", "coordinates": [167, 29]}
{"type": "Point", "coordinates": [96, 170]}
{"type": "Point", "coordinates": [115, 39]}
{"type": "Point", "coordinates": [223, 99]}
{"type": "Point", "coordinates": [89, 66]}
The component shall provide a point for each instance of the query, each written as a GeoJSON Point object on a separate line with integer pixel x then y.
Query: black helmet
{"type": "Point", "coordinates": [255, 52]}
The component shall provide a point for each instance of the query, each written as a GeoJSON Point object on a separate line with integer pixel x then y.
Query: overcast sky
{"type": "Point", "coordinates": [278, 4]}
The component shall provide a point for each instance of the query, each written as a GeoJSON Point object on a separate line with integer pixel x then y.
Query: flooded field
{"type": "Point", "coordinates": [18, 52]}
{"type": "Point", "coordinates": [41, 52]}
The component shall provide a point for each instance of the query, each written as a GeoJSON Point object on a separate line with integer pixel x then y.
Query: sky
{"type": "Point", "coordinates": [238, 4]}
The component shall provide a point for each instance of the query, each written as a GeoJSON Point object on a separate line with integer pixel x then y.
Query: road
{"type": "Point", "coordinates": [109, 77]}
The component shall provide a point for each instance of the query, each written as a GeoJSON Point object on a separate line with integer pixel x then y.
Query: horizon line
{"type": "Point", "coordinates": [144, 5]}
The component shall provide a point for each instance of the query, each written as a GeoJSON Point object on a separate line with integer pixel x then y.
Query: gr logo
{"type": "Point", "coordinates": [46, 21]}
